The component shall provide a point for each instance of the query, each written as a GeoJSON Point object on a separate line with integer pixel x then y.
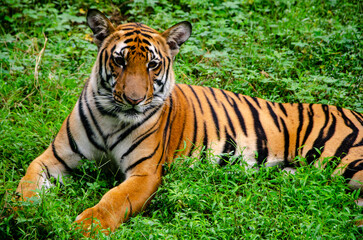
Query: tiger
{"type": "Point", "coordinates": [132, 113]}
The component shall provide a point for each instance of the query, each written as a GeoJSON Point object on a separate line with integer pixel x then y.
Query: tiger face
{"type": "Point", "coordinates": [134, 65]}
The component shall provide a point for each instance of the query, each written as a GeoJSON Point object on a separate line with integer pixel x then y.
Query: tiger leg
{"type": "Point", "coordinates": [352, 171]}
{"type": "Point", "coordinates": [38, 174]}
{"type": "Point", "coordinates": [121, 202]}
{"type": "Point", "coordinates": [354, 175]}
{"type": "Point", "coordinates": [56, 161]}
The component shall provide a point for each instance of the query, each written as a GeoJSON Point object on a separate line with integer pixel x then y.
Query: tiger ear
{"type": "Point", "coordinates": [100, 26]}
{"type": "Point", "coordinates": [177, 35]}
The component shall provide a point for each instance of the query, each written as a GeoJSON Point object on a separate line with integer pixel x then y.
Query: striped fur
{"type": "Point", "coordinates": [131, 112]}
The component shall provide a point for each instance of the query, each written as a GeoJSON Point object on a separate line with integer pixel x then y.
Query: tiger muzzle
{"type": "Point", "coordinates": [132, 100]}
{"type": "Point", "coordinates": [133, 87]}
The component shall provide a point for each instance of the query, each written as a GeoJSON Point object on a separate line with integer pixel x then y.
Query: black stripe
{"type": "Point", "coordinates": [286, 141]}
{"type": "Point", "coordinates": [71, 140]}
{"type": "Point", "coordinates": [182, 136]}
{"type": "Point", "coordinates": [146, 35]}
{"type": "Point", "coordinates": [146, 42]}
{"type": "Point", "coordinates": [122, 126]}
{"type": "Point", "coordinates": [205, 139]}
{"type": "Point", "coordinates": [101, 67]}
{"type": "Point", "coordinates": [133, 146]}
{"type": "Point", "coordinates": [129, 40]}
{"type": "Point", "coordinates": [148, 131]}
{"type": "Point", "coordinates": [214, 116]}
{"type": "Point", "coordinates": [310, 125]}
{"type": "Point", "coordinates": [166, 76]}
{"type": "Point", "coordinates": [237, 95]}
{"type": "Point", "coordinates": [158, 82]}
{"type": "Point", "coordinates": [282, 108]}
{"type": "Point", "coordinates": [182, 92]}
{"type": "Point", "coordinates": [358, 116]}
{"type": "Point", "coordinates": [349, 140]}
{"type": "Point", "coordinates": [320, 141]}
{"type": "Point", "coordinates": [228, 150]}
{"type": "Point", "coordinates": [46, 170]}
{"type": "Point", "coordinates": [129, 26]}
{"type": "Point", "coordinates": [59, 158]}
{"type": "Point", "coordinates": [168, 124]}
{"type": "Point", "coordinates": [146, 30]}
{"type": "Point", "coordinates": [345, 145]}
{"type": "Point", "coordinates": [352, 169]}
{"type": "Point", "coordinates": [162, 166]}
{"type": "Point", "coordinates": [214, 94]}
{"type": "Point", "coordinates": [195, 131]}
{"type": "Point", "coordinates": [205, 142]}
{"type": "Point", "coordinates": [128, 34]}
{"type": "Point", "coordinates": [94, 120]}
{"type": "Point", "coordinates": [183, 125]}
{"type": "Point", "coordinates": [226, 96]}
{"type": "Point", "coordinates": [166, 132]}
{"type": "Point", "coordinates": [161, 55]}
{"type": "Point", "coordinates": [230, 124]}
{"type": "Point", "coordinates": [171, 126]}
{"type": "Point", "coordinates": [142, 159]}
{"type": "Point", "coordinates": [196, 97]}
{"type": "Point", "coordinates": [132, 25]}
{"type": "Point", "coordinates": [359, 144]}
{"type": "Point", "coordinates": [113, 48]}
{"type": "Point", "coordinates": [300, 108]}
{"type": "Point", "coordinates": [273, 115]}
{"type": "Point", "coordinates": [85, 123]}
{"type": "Point", "coordinates": [261, 141]}
{"type": "Point", "coordinates": [240, 117]}
{"type": "Point", "coordinates": [125, 47]}
{"type": "Point", "coordinates": [256, 101]}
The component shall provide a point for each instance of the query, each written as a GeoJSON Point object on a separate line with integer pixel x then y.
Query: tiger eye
{"type": "Point", "coordinates": [119, 61]}
{"type": "Point", "coordinates": [153, 64]}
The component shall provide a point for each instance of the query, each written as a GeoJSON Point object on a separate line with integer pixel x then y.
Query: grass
{"type": "Point", "coordinates": [282, 50]}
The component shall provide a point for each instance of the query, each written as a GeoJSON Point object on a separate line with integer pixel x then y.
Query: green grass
{"type": "Point", "coordinates": [282, 50]}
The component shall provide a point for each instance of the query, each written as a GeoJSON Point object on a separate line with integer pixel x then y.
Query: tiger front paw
{"type": "Point", "coordinates": [93, 220]}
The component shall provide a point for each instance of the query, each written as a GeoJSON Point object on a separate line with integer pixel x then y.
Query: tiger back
{"type": "Point", "coordinates": [132, 113]}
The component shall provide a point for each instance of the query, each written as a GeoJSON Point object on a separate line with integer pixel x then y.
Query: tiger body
{"type": "Point", "coordinates": [132, 114]}
{"type": "Point", "coordinates": [243, 126]}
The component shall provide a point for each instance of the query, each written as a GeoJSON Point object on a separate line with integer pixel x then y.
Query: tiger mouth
{"type": "Point", "coordinates": [132, 112]}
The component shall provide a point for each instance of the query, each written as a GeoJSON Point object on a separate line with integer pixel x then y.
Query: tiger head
{"type": "Point", "coordinates": [133, 72]}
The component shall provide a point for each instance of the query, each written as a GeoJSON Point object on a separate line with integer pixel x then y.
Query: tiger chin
{"type": "Point", "coordinates": [132, 111]}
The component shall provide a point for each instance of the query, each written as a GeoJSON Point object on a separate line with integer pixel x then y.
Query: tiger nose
{"type": "Point", "coordinates": [133, 101]}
